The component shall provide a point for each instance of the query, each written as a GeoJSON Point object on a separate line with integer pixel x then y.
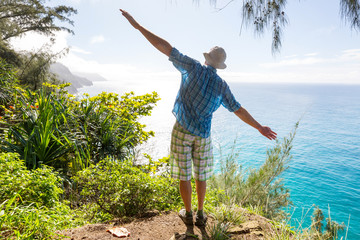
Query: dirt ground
{"type": "Point", "coordinates": [164, 226]}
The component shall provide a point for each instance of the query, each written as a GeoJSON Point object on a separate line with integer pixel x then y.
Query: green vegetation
{"type": "Point", "coordinates": [54, 144]}
{"type": "Point", "coordinates": [31, 205]}
{"type": "Point", "coordinates": [261, 188]}
{"type": "Point", "coordinates": [261, 191]}
{"type": "Point", "coordinates": [219, 231]}
{"type": "Point", "coordinates": [66, 161]}
{"type": "Point", "coordinates": [112, 189]}
{"type": "Point", "coordinates": [49, 126]}
{"type": "Point", "coordinates": [18, 17]}
{"type": "Point", "coordinates": [69, 161]}
{"type": "Point", "coordinates": [230, 214]}
{"type": "Point", "coordinates": [331, 229]}
{"type": "Point", "coordinates": [41, 186]}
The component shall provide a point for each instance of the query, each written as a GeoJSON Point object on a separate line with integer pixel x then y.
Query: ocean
{"type": "Point", "coordinates": [325, 168]}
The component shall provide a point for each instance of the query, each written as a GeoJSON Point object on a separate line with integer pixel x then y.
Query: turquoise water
{"type": "Point", "coordinates": [325, 169]}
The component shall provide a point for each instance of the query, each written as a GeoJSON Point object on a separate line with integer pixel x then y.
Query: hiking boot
{"type": "Point", "coordinates": [200, 220]}
{"type": "Point", "coordinates": [188, 220]}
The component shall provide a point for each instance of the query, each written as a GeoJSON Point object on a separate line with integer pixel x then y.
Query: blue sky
{"type": "Point", "coordinates": [318, 46]}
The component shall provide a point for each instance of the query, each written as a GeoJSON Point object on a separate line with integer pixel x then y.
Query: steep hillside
{"type": "Point", "coordinates": [64, 75]}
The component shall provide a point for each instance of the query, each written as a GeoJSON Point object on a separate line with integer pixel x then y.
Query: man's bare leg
{"type": "Point", "coordinates": [185, 192]}
{"type": "Point", "coordinates": [201, 191]}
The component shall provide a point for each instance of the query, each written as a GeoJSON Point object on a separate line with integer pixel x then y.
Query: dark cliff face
{"type": "Point", "coordinates": [65, 76]}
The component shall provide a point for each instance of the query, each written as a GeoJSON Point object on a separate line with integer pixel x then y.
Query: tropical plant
{"type": "Point", "coordinates": [51, 127]}
{"type": "Point", "coordinates": [109, 125]}
{"type": "Point", "coordinates": [38, 129]}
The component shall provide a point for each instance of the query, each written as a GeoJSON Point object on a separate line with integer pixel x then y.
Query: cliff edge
{"type": "Point", "coordinates": [168, 226]}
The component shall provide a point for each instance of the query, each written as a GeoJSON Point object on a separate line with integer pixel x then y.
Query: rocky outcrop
{"type": "Point", "coordinates": [65, 76]}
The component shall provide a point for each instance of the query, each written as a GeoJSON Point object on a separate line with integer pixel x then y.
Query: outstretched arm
{"type": "Point", "coordinates": [159, 43]}
{"type": "Point", "coordinates": [247, 118]}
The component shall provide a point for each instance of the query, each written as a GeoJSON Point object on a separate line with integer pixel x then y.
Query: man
{"type": "Point", "coordinates": [201, 93]}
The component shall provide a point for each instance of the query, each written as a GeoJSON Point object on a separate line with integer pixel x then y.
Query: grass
{"type": "Point", "coordinates": [33, 221]}
{"type": "Point", "coordinates": [219, 231]}
{"type": "Point", "coordinates": [228, 214]}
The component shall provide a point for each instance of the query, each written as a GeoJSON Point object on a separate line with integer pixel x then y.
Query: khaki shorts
{"type": "Point", "coordinates": [187, 150]}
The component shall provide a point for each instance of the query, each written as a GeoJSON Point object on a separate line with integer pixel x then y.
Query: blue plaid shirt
{"type": "Point", "coordinates": [201, 93]}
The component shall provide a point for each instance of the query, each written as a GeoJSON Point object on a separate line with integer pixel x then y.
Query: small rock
{"type": "Point", "coordinates": [238, 230]}
{"type": "Point", "coordinates": [178, 236]}
{"type": "Point", "coordinates": [258, 233]}
{"type": "Point", "coordinates": [246, 228]}
{"type": "Point", "coordinates": [253, 225]}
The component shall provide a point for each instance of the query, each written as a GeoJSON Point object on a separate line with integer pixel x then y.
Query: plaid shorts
{"type": "Point", "coordinates": [187, 150]}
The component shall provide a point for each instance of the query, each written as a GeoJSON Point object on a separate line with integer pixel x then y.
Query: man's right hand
{"type": "Point", "coordinates": [131, 20]}
{"type": "Point", "coordinates": [159, 43]}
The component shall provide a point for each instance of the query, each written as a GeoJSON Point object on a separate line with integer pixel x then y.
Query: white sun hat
{"type": "Point", "coordinates": [216, 57]}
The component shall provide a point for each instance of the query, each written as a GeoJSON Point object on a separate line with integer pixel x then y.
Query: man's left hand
{"type": "Point", "coordinates": [267, 132]}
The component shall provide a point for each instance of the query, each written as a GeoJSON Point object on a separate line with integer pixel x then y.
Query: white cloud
{"type": "Point", "coordinates": [351, 55]}
{"type": "Point", "coordinates": [312, 59]}
{"type": "Point", "coordinates": [294, 62]}
{"type": "Point", "coordinates": [291, 56]}
{"type": "Point", "coordinates": [35, 41]}
{"type": "Point", "coordinates": [311, 54]}
{"type": "Point", "coordinates": [325, 31]}
{"type": "Point", "coordinates": [109, 71]}
{"type": "Point", "coordinates": [343, 67]}
{"type": "Point", "coordinates": [320, 76]}
{"type": "Point", "coordinates": [79, 1]}
{"type": "Point", "coordinates": [74, 1]}
{"type": "Point", "coordinates": [79, 50]}
{"type": "Point", "coordinates": [115, 71]}
{"type": "Point", "coordinates": [97, 39]}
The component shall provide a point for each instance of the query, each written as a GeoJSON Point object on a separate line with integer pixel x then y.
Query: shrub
{"type": "Point", "coordinates": [231, 214]}
{"type": "Point", "coordinates": [117, 189]}
{"type": "Point", "coordinates": [7, 80]}
{"type": "Point", "coordinates": [41, 186]}
{"type": "Point", "coordinates": [260, 188]}
{"type": "Point", "coordinates": [331, 230]}
{"type": "Point", "coordinates": [108, 126]}
{"type": "Point", "coordinates": [30, 206]}
{"type": "Point", "coordinates": [51, 127]}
